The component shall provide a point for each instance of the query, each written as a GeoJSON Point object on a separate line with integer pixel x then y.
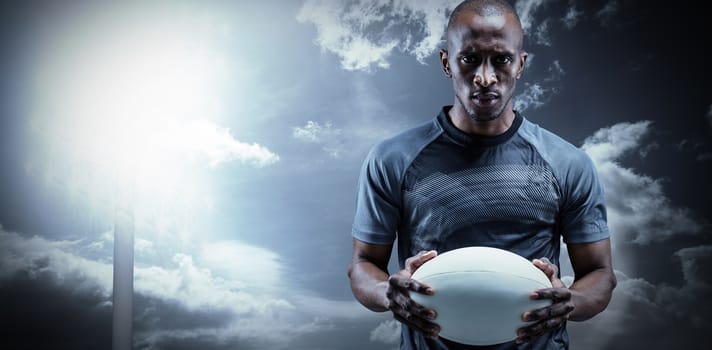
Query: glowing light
{"type": "Point", "coordinates": [137, 106]}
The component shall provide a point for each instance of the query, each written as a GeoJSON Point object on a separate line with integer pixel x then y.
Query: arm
{"type": "Point", "coordinates": [588, 295]}
{"type": "Point", "coordinates": [594, 279]}
{"type": "Point", "coordinates": [375, 289]}
{"type": "Point", "coordinates": [368, 272]}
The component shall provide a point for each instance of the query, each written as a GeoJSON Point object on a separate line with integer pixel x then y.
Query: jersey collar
{"type": "Point", "coordinates": [466, 139]}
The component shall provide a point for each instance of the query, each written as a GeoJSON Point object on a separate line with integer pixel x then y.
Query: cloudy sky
{"type": "Point", "coordinates": [235, 131]}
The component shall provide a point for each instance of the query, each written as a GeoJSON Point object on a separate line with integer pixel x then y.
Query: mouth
{"type": "Point", "coordinates": [485, 99]}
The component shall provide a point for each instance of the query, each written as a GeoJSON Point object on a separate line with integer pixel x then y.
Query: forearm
{"type": "Point", "coordinates": [591, 293]}
{"type": "Point", "coordinates": [369, 284]}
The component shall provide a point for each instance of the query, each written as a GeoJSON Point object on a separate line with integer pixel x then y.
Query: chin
{"type": "Point", "coordinates": [484, 115]}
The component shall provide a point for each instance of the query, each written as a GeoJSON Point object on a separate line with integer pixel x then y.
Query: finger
{"type": "Point", "coordinates": [526, 334]}
{"type": "Point", "coordinates": [429, 329]}
{"type": "Point", "coordinates": [555, 294]}
{"type": "Point", "coordinates": [422, 311]}
{"type": "Point", "coordinates": [414, 262]}
{"type": "Point", "coordinates": [402, 282]}
{"type": "Point", "coordinates": [403, 302]}
{"type": "Point", "coordinates": [555, 310]}
{"type": "Point", "coordinates": [549, 269]}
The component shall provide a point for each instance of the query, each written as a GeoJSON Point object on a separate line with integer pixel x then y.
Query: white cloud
{"type": "Point", "coordinates": [365, 33]}
{"type": "Point", "coordinates": [638, 210]}
{"type": "Point", "coordinates": [144, 245]}
{"type": "Point", "coordinates": [572, 17]}
{"type": "Point", "coordinates": [526, 9]}
{"type": "Point", "coordinates": [532, 96]}
{"type": "Point", "coordinates": [608, 144]}
{"type": "Point", "coordinates": [204, 138]}
{"type": "Point", "coordinates": [251, 265]}
{"type": "Point", "coordinates": [199, 287]}
{"type": "Point", "coordinates": [313, 132]}
{"type": "Point", "coordinates": [326, 135]}
{"type": "Point", "coordinates": [388, 332]}
{"type": "Point", "coordinates": [53, 260]}
{"type": "Point", "coordinates": [537, 94]}
{"type": "Point", "coordinates": [542, 33]}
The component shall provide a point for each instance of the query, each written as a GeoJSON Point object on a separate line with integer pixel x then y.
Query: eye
{"type": "Point", "coordinates": [503, 59]}
{"type": "Point", "coordinates": [469, 59]}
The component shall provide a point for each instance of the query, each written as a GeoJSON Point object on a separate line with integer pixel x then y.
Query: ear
{"type": "Point", "coordinates": [522, 60]}
{"type": "Point", "coordinates": [444, 64]}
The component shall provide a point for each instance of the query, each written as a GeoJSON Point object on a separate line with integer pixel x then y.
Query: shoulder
{"type": "Point", "coordinates": [559, 153]}
{"type": "Point", "coordinates": [403, 147]}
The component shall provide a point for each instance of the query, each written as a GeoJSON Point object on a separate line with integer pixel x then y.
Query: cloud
{"type": "Point", "coordinates": [312, 132]}
{"type": "Point", "coordinates": [542, 34]}
{"type": "Point", "coordinates": [687, 145]}
{"type": "Point", "coordinates": [388, 332]}
{"type": "Point", "coordinates": [198, 287]}
{"type": "Point", "coordinates": [224, 293]}
{"type": "Point", "coordinates": [54, 261]}
{"type": "Point", "coordinates": [526, 9]}
{"type": "Point", "coordinates": [365, 33]}
{"type": "Point", "coordinates": [704, 157]}
{"type": "Point", "coordinates": [690, 300]}
{"type": "Point", "coordinates": [532, 96]}
{"type": "Point", "coordinates": [709, 115]}
{"type": "Point", "coordinates": [645, 315]}
{"type": "Point", "coordinates": [638, 210]}
{"type": "Point", "coordinates": [605, 15]}
{"type": "Point", "coordinates": [203, 138]}
{"type": "Point", "coordinates": [326, 135]}
{"type": "Point", "coordinates": [644, 151]}
{"type": "Point", "coordinates": [694, 146]}
{"type": "Point", "coordinates": [251, 265]}
{"type": "Point", "coordinates": [572, 17]}
{"type": "Point", "coordinates": [536, 95]}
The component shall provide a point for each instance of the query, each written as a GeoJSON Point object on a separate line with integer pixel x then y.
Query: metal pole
{"type": "Point", "coordinates": [122, 327]}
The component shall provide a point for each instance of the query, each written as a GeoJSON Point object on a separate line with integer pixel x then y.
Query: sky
{"type": "Point", "coordinates": [235, 131]}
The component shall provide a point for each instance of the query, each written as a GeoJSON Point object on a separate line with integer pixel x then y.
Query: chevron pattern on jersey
{"type": "Point", "coordinates": [510, 192]}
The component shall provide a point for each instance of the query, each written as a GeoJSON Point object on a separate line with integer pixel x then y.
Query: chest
{"type": "Point", "coordinates": [502, 197]}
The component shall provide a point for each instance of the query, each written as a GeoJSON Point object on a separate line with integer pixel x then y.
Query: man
{"type": "Point", "coordinates": [480, 174]}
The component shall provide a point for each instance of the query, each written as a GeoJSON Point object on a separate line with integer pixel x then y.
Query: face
{"type": "Point", "coordinates": [484, 60]}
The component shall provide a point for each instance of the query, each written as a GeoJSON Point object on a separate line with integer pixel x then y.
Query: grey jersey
{"type": "Point", "coordinates": [436, 187]}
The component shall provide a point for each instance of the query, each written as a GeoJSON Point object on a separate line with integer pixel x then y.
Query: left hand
{"type": "Point", "coordinates": [553, 316]}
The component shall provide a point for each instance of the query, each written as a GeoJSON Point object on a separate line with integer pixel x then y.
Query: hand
{"type": "Point", "coordinates": [553, 316]}
{"type": "Point", "coordinates": [403, 307]}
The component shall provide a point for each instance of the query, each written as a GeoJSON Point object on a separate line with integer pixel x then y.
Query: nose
{"type": "Point", "coordinates": [484, 75]}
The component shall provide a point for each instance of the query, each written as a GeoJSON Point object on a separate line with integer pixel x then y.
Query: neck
{"type": "Point", "coordinates": [494, 127]}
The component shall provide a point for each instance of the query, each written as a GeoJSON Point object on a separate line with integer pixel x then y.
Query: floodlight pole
{"type": "Point", "coordinates": [122, 320]}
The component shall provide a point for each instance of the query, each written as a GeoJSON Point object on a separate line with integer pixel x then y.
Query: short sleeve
{"type": "Point", "coordinates": [583, 216]}
{"type": "Point", "coordinates": [378, 201]}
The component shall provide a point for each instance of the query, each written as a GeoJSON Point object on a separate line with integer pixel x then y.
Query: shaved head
{"type": "Point", "coordinates": [484, 59]}
{"type": "Point", "coordinates": [483, 8]}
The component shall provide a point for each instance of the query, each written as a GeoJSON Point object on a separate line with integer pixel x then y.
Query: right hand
{"type": "Point", "coordinates": [406, 310]}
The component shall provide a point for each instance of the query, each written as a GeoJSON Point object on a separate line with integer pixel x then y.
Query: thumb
{"type": "Point", "coordinates": [414, 262]}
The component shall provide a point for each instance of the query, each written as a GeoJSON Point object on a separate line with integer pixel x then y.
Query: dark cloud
{"type": "Point", "coordinates": [605, 14]}
{"type": "Point", "coordinates": [639, 210]}
{"type": "Point", "coordinates": [154, 314]}
{"type": "Point", "coordinates": [39, 312]}
{"type": "Point", "coordinates": [643, 315]}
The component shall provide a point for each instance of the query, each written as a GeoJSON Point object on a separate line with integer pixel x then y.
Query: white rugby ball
{"type": "Point", "coordinates": [480, 293]}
